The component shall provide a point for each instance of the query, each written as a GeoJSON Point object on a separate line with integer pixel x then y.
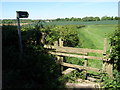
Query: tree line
{"type": "Point", "coordinates": [10, 21]}
{"type": "Point", "coordinates": [88, 18]}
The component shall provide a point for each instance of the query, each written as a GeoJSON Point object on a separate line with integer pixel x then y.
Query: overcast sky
{"type": "Point", "coordinates": [51, 10]}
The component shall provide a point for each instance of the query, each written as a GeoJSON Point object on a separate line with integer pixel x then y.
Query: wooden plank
{"type": "Point", "coordinates": [61, 60]}
{"type": "Point", "coordinates": [67, 71]}
{"type": "Point", "coordinates": [60, 49]}
{"type": "Point", "coordinates": [75, 50]}
{"type": "Point", "coordinates": [86, 85]}
{"type": "Point", "coordinates": [80, 67]}
{"type": "Point", "coordinates": [92, 79]}
{"type": "Point", "coordinates": [49, 46]}
{"type": "Point", "coordinates": [77, 56]}
{"type": "Point", "coordinates": [109, 69]}
{"type": "Point", "coordinates": [63, 49]}
{"type": "Point", "coordinates": [105, 45]}
{"type": "Point", "coordinates": [86, 50]}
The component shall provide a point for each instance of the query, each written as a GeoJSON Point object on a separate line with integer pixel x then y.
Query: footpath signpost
{"type": "Point", "coordinates": [21, 14]}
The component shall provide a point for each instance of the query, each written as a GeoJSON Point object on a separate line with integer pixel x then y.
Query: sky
{"type": "Point", "coordinates": [53, 10]}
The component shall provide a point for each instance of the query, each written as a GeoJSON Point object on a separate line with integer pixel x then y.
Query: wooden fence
{"type": "Point", "coordinates": [60, 51]}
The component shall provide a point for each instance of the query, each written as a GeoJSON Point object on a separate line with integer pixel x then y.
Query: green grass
{"type": "Point", "coordinates": [92, 36]}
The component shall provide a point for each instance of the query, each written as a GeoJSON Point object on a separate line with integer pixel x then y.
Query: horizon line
{"type": "Point", "coordinates": [62, 17]}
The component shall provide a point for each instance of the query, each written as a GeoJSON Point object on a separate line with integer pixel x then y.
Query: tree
{"type": "Point", "coordinates": [117, 18]}
{"type": "Point", "coordinates": [97, 19]}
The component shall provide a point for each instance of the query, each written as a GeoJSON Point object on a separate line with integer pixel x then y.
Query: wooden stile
{"type": "Point", "coordinates": [60, 51]}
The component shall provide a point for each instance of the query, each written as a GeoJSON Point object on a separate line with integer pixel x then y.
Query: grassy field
{"type": "Point", "coordinates": [106, 22]}
{"type": "Point", "coordinates": [92, 36]}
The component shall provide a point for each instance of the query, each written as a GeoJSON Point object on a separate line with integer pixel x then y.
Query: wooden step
{"type": "Point", "coordinates": [67, 71]}
{"type": "Point", "coordinates": [88, 86]}
{"type": "Point", "coordinates": [92, 79]}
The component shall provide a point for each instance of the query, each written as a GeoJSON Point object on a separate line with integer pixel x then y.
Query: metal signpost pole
{"type": "Point", "coordinates": [19, 34]}
{"type": "Point", "coordinates": [21, 14]}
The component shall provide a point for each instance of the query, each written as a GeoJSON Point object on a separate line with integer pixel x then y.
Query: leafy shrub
{"type": "Point", "coordinates": [109, 82]}
{"type": "Point", "coordinates": [115, 45]}
{"type": "Point", "coordinates": [67, 33]}
{"type": "Point", "coordinates": [35, 69]}
{"type": "Point", "coordinates": [73, 76]}
{"type": "Point", "coordinates": [114, 82]}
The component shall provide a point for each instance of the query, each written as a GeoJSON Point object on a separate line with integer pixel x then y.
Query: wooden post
{"type": "Point", "coordinates": [60, 42]}
{"type": "Point", "coordinates": [104, 64]}
{"type": "Point", "coordinates": [107, 66]}
{"type": "Point", "coordinates": [104, 56]}
{"type": "Point", "coordinates": [56, 44]}
{"type": "Point", "coordinates": [61, 58]}
{"type": "Point", "coordinates": [85, 64]}
{"type": "Point", "coordinates": [105, 45]}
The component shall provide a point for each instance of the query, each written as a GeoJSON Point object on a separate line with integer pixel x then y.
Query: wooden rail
{"type": "Point", "coordinates": [74, 50]}
{"type": "Point", "coordinates": [80, 67]}
{"type": "Point", "coordinates": [77, 56]}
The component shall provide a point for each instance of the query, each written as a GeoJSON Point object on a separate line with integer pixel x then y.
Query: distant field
{"type": "Point", "coordinates": [92, 36]}
{"type": "Point", "coordinates": [83, 23]}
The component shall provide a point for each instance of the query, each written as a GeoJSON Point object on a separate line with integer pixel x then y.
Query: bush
{"type": "Point", "coordinates": [114, 82]}
{"type": "Point", "coordinates": [115, 45]}
{"type": "Point", "coordinates": [33, 69]}
{"type": "Point", "coordinates": [67, 33]}
{"type": "Point", "coordinates": [109, 82]}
